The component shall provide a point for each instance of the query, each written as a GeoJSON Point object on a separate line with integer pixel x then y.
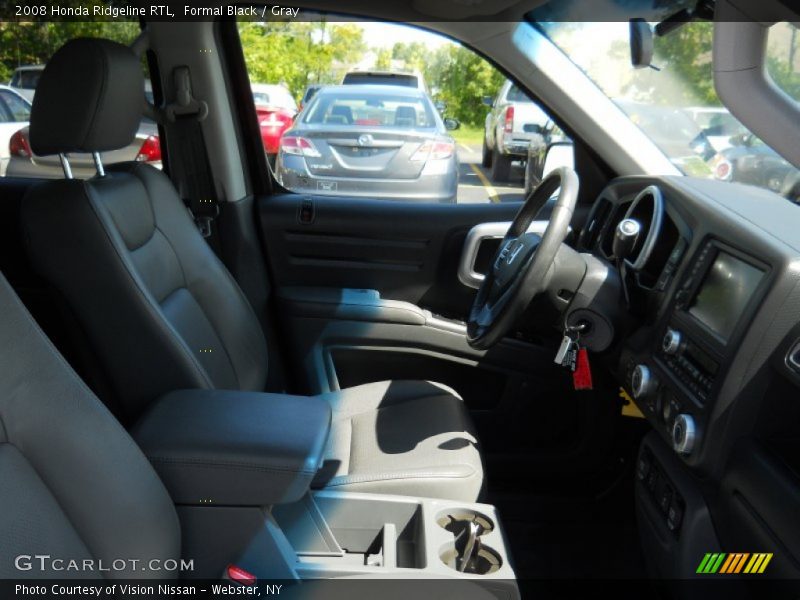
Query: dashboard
{"type": "Point", "coordinates": [711, 352]}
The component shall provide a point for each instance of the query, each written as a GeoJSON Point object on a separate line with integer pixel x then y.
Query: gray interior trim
{"type": "Point", "coordinates": [745, 87]}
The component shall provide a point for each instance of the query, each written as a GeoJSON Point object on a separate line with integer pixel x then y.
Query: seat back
{"type": "Point", "coordinates": [340, 114]}
{"type": "Point", "coordinates": [74, 484]}
{"type": "Point", "coordinates": [156, 303]}
{"type": "Point", "coordinates": [405, 116]}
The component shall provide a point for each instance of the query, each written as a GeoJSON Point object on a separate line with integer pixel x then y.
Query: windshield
{"type": "Point", "coordinates": [675, 103]}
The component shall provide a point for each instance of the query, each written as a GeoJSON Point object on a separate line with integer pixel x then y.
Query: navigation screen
{"type": "Point", "coordinates": [724, 294]}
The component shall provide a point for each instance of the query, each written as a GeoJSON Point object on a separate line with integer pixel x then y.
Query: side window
{"type": "Point", "coordinates": [5, 114]}
{"type": "Point", "coordinates": [20, 109]}
{"type": "Point", "coordinates": [389, 111]}
{"type": "Point", "coordinates": [40, 42]}
{"type": "Point", "coordinates": [783, 58]}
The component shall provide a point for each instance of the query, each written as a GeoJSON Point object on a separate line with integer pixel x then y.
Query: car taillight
{"type": "Point", "coordinates": [434, 151]}
{"type": "Point", "coordinates": [723, 169]}
{"type": "Point", "coordinates": [150, 150]}
{"type": "Point", "coordinates": [299, 146]}
{"type": "Point", "coordinates": [509, 125]}
{"type": "Point", "coordinates": [18, 146]}
{"type": "Point", "coordinates": [270, 119]}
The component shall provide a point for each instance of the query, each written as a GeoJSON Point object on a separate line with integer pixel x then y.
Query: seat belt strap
{"type": "Point", "coordinates": [195, 180]}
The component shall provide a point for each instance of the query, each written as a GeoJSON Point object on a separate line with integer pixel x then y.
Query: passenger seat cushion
{"type": "Point", "coordinates": [402, 437]}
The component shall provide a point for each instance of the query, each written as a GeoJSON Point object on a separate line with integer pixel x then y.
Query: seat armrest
{"type": "Point", "coordinates": [348, 305]}
{"type": "Point", "coordinates": [235, 448]}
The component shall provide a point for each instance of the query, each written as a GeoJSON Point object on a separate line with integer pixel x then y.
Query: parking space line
{"type": "Point", "coordinates": [466, 148]}
{"type": "Point", "coordinates": [492, 193]}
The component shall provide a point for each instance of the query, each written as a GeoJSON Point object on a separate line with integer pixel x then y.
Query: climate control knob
{"type": "Point", "coordinates": [642, 382]}
{"type": "Point", "coordinates": [684, 434]}
{"type": "Point", "coordinates": [671, 342]}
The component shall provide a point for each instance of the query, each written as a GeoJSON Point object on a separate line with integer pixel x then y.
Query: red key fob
{"type": "Point", "coordinates": [582, 375]}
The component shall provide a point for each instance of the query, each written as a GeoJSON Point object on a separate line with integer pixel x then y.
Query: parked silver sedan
{"type": "Point", "coordinates": [372, 141]}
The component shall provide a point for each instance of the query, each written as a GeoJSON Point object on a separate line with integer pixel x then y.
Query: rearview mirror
{"type": "Point", "coordinates": [451, 124]}
{"type": "Point", "coordinates": [641, 42]}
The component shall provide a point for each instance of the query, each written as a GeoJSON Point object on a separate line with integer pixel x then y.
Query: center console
{"type": "Point", "coordinates": [240, 465]}
{"type": "Point", "coordinates": [336, 534]}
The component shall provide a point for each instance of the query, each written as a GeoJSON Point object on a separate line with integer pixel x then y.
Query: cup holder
{"type": "Point", "coordinates": [457, 520]}
{"type": "Point", "coordinates": [483, 560]}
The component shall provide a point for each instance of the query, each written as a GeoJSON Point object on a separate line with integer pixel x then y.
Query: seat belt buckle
{"type": "Point", "coordinates": [204, 225]}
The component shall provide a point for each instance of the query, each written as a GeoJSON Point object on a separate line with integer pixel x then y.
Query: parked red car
{"type": "Point", "coordinates": [276, 109]}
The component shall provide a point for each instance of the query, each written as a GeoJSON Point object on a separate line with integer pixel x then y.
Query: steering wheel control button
{"type": "Point", "coordinates": [671, 342]}
{"type": "Point", "coordinates": [684, 434]}
{"type": "Point", "coordinates": [642, 382]}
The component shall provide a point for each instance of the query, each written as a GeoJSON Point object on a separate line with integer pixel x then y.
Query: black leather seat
{"type": "Point", "coordinates": [75, 487]}
{"type": "Point", "coordinates": [164, 314]}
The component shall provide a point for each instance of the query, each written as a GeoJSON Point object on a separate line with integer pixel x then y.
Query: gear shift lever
{"type": "Point", "coordinates": [625, 238]}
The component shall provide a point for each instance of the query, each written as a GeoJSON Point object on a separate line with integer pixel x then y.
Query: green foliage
{"type": "Point", "coordinates": [686, 53]}
{"type": "Point", "coordinates": [297, 54]}
{"type": "Point", "coordinates": [383, 59]}
{"type": "Point", "coordinates": [35, 43]}
{"type": "Point", "coordinates": [455, 75]}
{"type": "Point", "coordinates": [784, 75]}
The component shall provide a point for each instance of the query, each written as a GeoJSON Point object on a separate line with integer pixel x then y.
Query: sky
{"type": "Point", "coordinates": [385, 35]}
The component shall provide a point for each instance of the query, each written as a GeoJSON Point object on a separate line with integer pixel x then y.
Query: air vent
{"type": "Point", "coordinates": [596, 224]}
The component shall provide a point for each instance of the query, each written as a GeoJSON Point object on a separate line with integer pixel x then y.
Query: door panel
{"type": "Point", "coordinates": [404, 250]}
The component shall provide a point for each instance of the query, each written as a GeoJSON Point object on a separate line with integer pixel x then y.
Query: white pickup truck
{"type": "Point", "coordinates": [511, 123]}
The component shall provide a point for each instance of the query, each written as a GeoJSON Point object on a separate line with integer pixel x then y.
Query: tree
{"type": "Point", "coordinates": [462, 79]}
{"type": "Point", "coordinates": [383, 59]}
{"type": "Point", "coordinates": [33, 43]}
{"type": "Point", "coordinates": [299, 53]}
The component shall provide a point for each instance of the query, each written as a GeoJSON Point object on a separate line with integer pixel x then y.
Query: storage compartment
{"type": "Point", "coordinates": [336, 534]}
{"type": "Point", "coordinates": [355, 530]}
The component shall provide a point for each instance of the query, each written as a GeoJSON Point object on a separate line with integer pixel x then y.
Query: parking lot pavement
{"type": "Point", "coordinates": [475, 182]}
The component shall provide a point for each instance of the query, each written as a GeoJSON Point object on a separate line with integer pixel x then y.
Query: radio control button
{"type": "Point", "coordinates": [671, 342]}
{"type": "Point", "coordinates": [642, 382]}
{"type": "Point", "coordinates": [684, 434]}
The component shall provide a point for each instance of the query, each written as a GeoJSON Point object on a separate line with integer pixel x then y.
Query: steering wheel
{"type": "Point", "coordinates": [523, 264]}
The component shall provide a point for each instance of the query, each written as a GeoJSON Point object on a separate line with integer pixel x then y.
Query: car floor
{"type": "Point", "coordinates": [580, 528]}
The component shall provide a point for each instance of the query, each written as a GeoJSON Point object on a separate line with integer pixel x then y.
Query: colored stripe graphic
{"type": "Point", "coordinates": [734, 563]}
{"type": "Point", "coordinates": [728, 563]}
{"type": "Point", "coordinates": [703, 563]}
{"type": "Point", "coordinates": [718, 563]}
{"type": "Point", "coordinates": [758, 563]}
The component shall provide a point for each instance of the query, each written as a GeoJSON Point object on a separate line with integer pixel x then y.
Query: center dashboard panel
{"type": "Point", "coordinates": [693, 289]}
{"type": "Point", "coordinates": [713, 294]}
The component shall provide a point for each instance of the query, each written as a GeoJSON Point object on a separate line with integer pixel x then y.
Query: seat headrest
{"type": "Point", "coordinates": [89, 99]}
